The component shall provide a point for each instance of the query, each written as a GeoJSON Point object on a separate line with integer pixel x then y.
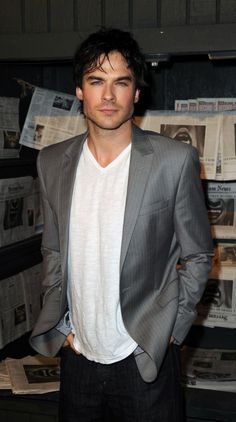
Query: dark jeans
{"type": "Point", "coordinates": [93, 392]}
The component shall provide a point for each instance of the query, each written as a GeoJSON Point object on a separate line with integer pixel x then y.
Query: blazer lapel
{"type": "Point", "coordinates": [66, 185]}
{"type": "Point", "coordinates": [140, 166]}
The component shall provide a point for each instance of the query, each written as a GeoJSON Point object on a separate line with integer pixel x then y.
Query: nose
{"type": "Point", "coordinates": [108, 93]}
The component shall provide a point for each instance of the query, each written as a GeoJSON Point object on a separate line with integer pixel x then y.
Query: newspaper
{"type": "Point", "coordinates": [9, 127]}
{"type": "Point", "coordinates": [229, 144]}
{"type": "Point", "coordinates": [202, 130]}
{"type": "Point", "coordinates": [221, 206]}
{"type": "Point", "coordinates": [20, 209]}
{"type": "Point", "coordinates": [181, 105]}
{"type": "Point", "coordinates": [212, 369]}
{"type": "Point", "coordinates": [5, 383]}
{"type": "Point", "coordinates": [217, 307]}
{"type": "Point", "coordinates": [225, 104]}
{"type": "Point", "coordinates": [34, 374]}
{"type": "Point", "coordinates": [52, 117]}
{"type": "Point", "coordinates": [20, 303]}
{"type": "Point", "coordinates": [206, 104]}
{"type": "Point", "coordinates": [226, 154]}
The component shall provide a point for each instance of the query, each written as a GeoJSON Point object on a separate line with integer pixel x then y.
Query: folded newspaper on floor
{"type": "Point", "coordinates": [34, 374]}
{"type": "Point", "coordinates": [5, 383]}
{"type": "Point", "coordinates": [211, 369]}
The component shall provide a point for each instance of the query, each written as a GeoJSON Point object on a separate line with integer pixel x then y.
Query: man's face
{"type": "Point", "coordinates": [108, 94]}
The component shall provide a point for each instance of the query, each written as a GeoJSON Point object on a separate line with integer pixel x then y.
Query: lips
{"type": "Point", "coordinates": [108, 110]}
{"type": "Point", "coordinates": [183, 136]}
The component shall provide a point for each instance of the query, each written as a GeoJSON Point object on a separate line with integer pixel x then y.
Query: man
{"type": "Point", "coordinates": [122, 207]}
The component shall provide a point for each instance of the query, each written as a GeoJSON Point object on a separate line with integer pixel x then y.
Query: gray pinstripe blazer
{"type": "Point", "coordinates": [165, 221]}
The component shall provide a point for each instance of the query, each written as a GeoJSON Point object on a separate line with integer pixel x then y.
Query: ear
{"type": "Point", "coordinates": [136, 95]}
{"type": "Point", "coordinates": [79, 93]}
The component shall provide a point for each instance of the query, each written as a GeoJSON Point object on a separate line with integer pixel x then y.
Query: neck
{"type": "Point", "coordinates": [106, 145]}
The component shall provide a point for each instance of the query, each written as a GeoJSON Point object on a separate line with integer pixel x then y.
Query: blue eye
{"type": "Point", "coordinates": [123, 83]}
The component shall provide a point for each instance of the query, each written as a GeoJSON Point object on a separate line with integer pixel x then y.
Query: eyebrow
{"type": "Point", "coordinates": [99, 78]}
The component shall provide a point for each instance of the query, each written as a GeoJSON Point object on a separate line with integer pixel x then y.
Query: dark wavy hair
{"type": "Point", "coordinates": [97, 47]}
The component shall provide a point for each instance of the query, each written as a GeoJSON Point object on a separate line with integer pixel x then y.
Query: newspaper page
{"type": "Point", "coordinates": [229, 145]}
{"type": "Point", "coordinates": [211, 369]}
{"type": "Point", "coordinates": [34, 374]}
{"type": "Point", "coordinates": [221, 207]}
{"type": "Point", "coordinates": [20, 303]}
{"type": "Point", "coordinates": [226, 155]}
{"type": "Point", "coordinates": [9, 127]}
{"type": "Point", "coordinates": [20, 209]}
{"type": "Point", "coordinates": [52, 117]}
{"type": "Point", "coordinates": [202, 130]}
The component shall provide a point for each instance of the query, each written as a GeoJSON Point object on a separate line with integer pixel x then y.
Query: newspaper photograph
{"type": "Point", "coordinates": [217, 307]}
{"type": "Point", "coordinates": [52, 117]}
{"type": "Point", "coordinates": [221, 207]}
{"type": "Point", "coordinates": [20, 303]}
{"type": "Point", "coordinates": [211, 369]}
{"type": "Point", "coordinates": [34, 374]}
{"type": "Point", "coordinates": [20, 209]}
{"type": "Point", "coordinates": [224, 257]}
{"type": "Point", "coordinates": [9, 127]}
{"type": "Point", "coordinates": [201, 130]}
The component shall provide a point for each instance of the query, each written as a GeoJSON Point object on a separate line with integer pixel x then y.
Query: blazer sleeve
{"type": "Point", "coordinates": [193, 234]}
{"type": "Point", "coordinates": [45, 338]}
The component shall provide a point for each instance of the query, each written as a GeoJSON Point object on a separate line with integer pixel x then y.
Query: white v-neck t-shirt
{"type": "Point", "coordinates": [96, 225]}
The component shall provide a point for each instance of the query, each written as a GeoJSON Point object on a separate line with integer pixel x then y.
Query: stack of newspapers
{"type": "Point", "coordinates": [30, 375]}
{"type": "Point", "coordinates": [212, 369]}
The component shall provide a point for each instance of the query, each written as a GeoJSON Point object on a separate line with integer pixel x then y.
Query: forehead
{"type": "Point", "coordinates": [114, 62]}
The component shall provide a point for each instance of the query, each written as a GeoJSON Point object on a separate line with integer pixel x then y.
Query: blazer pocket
{"type": "Point", "coordinates": [154, 207]}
